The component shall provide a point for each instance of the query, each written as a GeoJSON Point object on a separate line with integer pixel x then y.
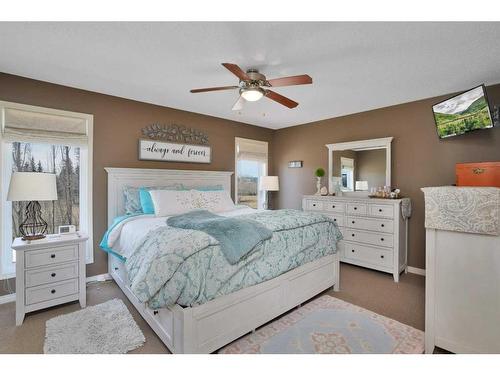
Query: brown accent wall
{"type": "Point", "coordinates": [419, 158]}
{"type": "Point", "coordinates": [117, 125]}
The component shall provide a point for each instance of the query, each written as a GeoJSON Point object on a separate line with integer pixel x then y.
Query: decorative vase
{"type": "Point", "coordinates": [318, 186]}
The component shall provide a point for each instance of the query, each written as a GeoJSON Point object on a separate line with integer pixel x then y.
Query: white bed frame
{"type": "Point", "coordinates": [208, 327]}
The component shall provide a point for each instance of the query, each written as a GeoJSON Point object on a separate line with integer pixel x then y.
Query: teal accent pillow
{"type": "Point", "coordinates": [146, 201]}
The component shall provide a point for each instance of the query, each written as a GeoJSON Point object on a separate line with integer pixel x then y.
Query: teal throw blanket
{"type": "Point", "coordinates": [236, 236]}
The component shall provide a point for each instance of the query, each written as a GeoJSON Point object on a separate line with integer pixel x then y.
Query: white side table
{"type": "Point", "coordinates": [49, 272]}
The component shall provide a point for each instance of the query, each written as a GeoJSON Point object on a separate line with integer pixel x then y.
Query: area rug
{"type": "Point", "coordinates": [101, 329]}
{"type": "Point", "coordinates": [330, 325]}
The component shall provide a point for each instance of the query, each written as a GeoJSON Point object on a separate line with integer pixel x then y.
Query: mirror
{"type": "Point", "coordinates": [359, 166]}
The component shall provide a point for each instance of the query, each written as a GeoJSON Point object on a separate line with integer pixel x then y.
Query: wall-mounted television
{"type": "Point", "coordinates": [463, 113]}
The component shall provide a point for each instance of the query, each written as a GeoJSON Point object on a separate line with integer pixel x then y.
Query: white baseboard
{"type": "Point", "coordinates": [102, 277]}
{"type": "Point", "coordinates": [7, 298]}
{"type": "Point", "coordinates": [416, 271]}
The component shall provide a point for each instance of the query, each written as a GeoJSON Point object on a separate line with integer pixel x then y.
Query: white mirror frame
{"type": "Point", "coordinates": [368, 144]}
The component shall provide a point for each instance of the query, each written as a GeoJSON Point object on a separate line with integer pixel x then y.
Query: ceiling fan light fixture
{"type": "Point", "coordinates": [252, 94]}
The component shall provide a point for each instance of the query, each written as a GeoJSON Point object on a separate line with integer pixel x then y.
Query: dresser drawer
{"type": "Point", "coordinates": [356, 208]}
{"type": "Point", "coordinates": [51, 291]}
{"type": "Point", "coordinates": [334, 206]}
{"type": "Point", "coordinates": [381, 210]}
{"type": "Point", "coordinates": [51, 274]}
{"type": "Point", "coordinates": [368, 254]}
{"type": "Point", "coordinates": [314, 205]}
{"type": "Point", "coordinates": [364, 223]}
{"type": "Point", "coordinates": [378, 239]}
{"type": "Point", "coordinates": [339, 219]}
{"type": "Point", "coordinates": [46, 257]}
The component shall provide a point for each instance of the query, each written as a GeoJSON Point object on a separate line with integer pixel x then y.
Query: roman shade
{"type": "Point", "coordinates": [249, 149]}
{"type": "Point", "coordinates": [25, 125]}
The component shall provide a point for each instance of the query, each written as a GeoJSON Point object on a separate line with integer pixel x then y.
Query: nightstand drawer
{"type": "Point", "coordinates": [54, 255]}
{"type": "Point", "coordinates": [51, 291]}
{"type": "Point", "coordinates": [51, 274]}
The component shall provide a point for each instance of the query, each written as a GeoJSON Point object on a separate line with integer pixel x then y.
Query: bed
{"type": "Point", "coordinates": [208, 324]}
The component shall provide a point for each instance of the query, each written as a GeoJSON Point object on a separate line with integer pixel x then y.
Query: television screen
{"type": "Point", "coordinates": [463, 113]}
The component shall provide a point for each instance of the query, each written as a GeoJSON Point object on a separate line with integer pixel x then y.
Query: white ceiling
{"type": "Point", "coordinates": [355, 66]}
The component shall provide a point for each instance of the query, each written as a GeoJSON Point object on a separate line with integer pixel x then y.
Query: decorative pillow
{"type": "Point", "coordinates": [133, 200]}
{"type": "Point", "coordinates": [169, 202]}
{"type": "Point", "coordinates": [146, 201]}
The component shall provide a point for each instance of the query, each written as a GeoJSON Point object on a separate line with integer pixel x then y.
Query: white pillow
{"type": "Point", "coordinates": [172, 202]}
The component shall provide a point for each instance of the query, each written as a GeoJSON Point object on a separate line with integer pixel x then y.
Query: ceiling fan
{"type": "Point", "coordinates": [254, 85]}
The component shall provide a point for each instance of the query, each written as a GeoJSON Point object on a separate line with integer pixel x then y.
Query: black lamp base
{"type": "Point", "coordinates": [33, 227]}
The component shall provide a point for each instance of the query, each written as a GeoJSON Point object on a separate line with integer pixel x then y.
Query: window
{"type": "Point", "coordinates": [37, 139]}
{"type": "Point", "coordinates": [347, 173]}
{"type": "Point", "coordinates": [251, 163]}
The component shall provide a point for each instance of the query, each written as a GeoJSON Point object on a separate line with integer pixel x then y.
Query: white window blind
{"type": "Point", "coordinates": [249, 149]}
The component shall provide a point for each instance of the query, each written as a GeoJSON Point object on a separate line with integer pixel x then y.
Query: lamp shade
{"type": "Point", "coordinates": [32, 186]}
{"type": "Point", "coordinates": [269, 183]}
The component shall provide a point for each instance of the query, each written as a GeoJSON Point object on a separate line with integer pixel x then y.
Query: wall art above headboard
{"type": "Point", "coordinates": [175, 133]}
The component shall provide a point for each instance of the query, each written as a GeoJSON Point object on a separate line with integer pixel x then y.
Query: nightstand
{"type": "Point", "coordinates": [49, 272]}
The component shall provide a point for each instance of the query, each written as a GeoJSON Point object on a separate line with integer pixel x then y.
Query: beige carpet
{"type": "Point", "coordinates": [372, 290]}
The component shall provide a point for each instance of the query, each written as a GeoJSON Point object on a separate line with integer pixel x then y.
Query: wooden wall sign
{"type": "Point", "coordinates": [174, 152]}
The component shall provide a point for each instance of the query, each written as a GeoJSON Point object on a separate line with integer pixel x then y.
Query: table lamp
{"type": "Point", "coordinates": [32, 187]}
{"type": "Point", "coordinates": [269, 183]}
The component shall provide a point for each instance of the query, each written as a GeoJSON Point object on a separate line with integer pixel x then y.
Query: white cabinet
{"type": "Point", "coordinates": [375, 233]}
{"type": "Point", "coordinates": [49, 272]}
{"type": "Point", "coordinates": [462, 295]}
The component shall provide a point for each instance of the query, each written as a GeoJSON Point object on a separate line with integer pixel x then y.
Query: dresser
{"type": "Point", "coordinates": [462, 284]}
{"type": "Point", "coordinates": [375, 231]}
{"type": "Point", "coordinates": [49, 272]}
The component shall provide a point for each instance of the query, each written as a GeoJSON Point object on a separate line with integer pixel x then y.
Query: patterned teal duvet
{"type": "Point", "coordinates": [187, 267]}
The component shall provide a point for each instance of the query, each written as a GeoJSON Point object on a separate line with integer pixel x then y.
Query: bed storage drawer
{"type": "Point", "coordinates": [356, 209]}
{"type": "Point", "coordinates": [45, 257]}
{"type": "Point", "coordinates": [51, 291]}
{"type": "Point", "coordinates": [51, 274]}
{"type": "Point", "coordinates": [368, 254]}
{"type": "Point", "coordinates": [117, 267]}
{"type": "Point", "coordinates": [378, 239]}
{"type": "Point", "coordinates": [377, 225]}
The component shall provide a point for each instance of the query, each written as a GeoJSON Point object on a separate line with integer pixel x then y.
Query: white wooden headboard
{"type": "Point", "coordinates": [120, 177]}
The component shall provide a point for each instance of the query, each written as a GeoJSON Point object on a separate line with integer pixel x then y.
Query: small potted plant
{"type": "Point", "coordinates": [320, 172]}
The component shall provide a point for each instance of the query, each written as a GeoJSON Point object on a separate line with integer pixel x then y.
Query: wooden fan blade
{"type": "Point", "coordinates": [194, 91]}
{"type": "Point", "coordinates": [303, 79]}
{"type": "Point", "coordinates": [238, 106]}
{"type": "Point", "coordinates": [281, 99]}
{"type": "Point", "coordinates": [237, 71]}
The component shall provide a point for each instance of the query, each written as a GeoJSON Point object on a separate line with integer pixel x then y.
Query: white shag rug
{"type": "Point", "coordinates": [107, 328]}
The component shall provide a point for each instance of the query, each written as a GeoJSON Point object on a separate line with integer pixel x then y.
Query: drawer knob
{"type": "Point", "coordinates": [382, 256]}
{"type": "Point", "coordinates": [382, 225]}
{"type": "Point", "coordinates": [53, 274]}
{"type": "Point", "coordinates": [379, 210]}
{"type": "Point", "coordinates": [353, 221]}
{"type": "Point", "coordinates": [52, 256]}
{"type": "Point", "coordinates": [116, 268]}
{"type": "Point", "coordinates": [381, 239]}
{"type": "Point", "coordinates": [334, 219]}
{"type": "Point", "coordinates": [333, 206]}
{"type": "Point", "coordinates": [352, 234]}
{"type": "Point", "coordinates": [314, 204]}
{"type": "Point", "coordinates": [53, 291]}
{"type": "Point", "coordinates": [355, 208]}
{"type": "Point", "coordinates": [155, 312]}
{"type": "Point", "coordinates": [352, 250]}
